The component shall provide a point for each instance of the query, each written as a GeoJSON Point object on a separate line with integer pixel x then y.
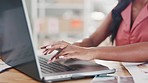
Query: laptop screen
{"type": "Point", "coordinates": [15, 42]}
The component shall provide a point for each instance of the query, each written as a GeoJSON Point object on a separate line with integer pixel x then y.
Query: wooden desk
{"type": "Point", "coordinates": [13, 76]}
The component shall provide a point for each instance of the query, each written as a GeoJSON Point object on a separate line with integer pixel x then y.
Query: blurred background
{"type": "Point", "coordinates": [68, 20]}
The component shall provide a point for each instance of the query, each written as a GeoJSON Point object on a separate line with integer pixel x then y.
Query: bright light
{"type": "Point", "coordinates": [97, 15]}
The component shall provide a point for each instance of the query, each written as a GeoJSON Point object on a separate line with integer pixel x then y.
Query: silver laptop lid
{"type": "Point", "coordinates": [17, 49]}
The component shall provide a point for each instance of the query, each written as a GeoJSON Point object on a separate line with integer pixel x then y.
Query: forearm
{"type": "Point", "coordinates": [87, 42]}
{"type": "Point", "coordinates": [90, 42]}
{"type": "Point", "coordinates": [99, 35]}
{"type": "Point", "coordinates": [129, 53]}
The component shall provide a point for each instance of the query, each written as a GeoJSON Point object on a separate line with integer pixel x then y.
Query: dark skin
{"type": "Point", "coordinates": [88, 50]}
{"type": "Point", "coordinates": [137, 6]}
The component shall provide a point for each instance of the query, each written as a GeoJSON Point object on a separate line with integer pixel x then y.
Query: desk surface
{"type": "Point", "coordinates": [13, 76]}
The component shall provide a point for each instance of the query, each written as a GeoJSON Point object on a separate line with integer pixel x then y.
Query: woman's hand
{"type": "Point", "coordinates": [69, 51]}
{"type": "Point", "coordinates": [60, 45]}
{"type": "Point", "coordinates": [73, 51]}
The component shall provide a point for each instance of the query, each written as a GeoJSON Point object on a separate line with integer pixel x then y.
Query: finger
{"type": "Point", "coordinates": [59, 53]}
{"type": "Point", "coordinates": [49, 61]}
{"type": "Point", "coordinates": [58, 47]}
{"type": "Point", "coordinates": [53, 60]}
{"type": "Point", "coordinates": [55, 55]}
{"type": "Point", "coordinates": [53, 44]}
{"type": "Point", "coordinates": [45, 53]}
{"type": "Point", "coordinates": [50, 51]}
{"type": "Point", "coordinates": [64, 51]}
{"type": "Point", "coordinates": [63, 55]}
{"type": "Point", "coordinates": [44, 47]}
{"type": "Point", "coordinates": [45, 50]}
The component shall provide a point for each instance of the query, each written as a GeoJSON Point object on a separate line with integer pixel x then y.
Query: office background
{"type": "Point", "coordinates": [69, 20]}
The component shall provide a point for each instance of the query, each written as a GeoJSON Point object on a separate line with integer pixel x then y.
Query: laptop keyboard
{"type": "Point", "coordinates": [53, 67]}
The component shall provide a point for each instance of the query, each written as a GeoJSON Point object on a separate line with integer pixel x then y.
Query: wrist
{"type": "Point", "coordinates": [93, 53]}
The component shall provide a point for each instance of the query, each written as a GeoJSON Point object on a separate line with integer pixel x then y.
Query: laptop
{"type": "Point", "coordinates": [18, 49]}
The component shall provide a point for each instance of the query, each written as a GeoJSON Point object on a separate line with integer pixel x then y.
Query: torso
{"type": "Point", "coordinates": [134, 26]}
{"type": "Point", "coordinates": [136, 8]}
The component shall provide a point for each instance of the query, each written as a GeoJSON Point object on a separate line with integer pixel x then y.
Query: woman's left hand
{"type": "Point", "coordinates": [73, 51]}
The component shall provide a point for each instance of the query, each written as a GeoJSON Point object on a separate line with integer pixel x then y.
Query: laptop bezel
{"type": "Point", "coordinates": [31, 37]}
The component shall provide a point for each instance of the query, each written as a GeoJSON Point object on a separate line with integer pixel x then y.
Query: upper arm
{"type": "Point", "coordinates": [102, 32]}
